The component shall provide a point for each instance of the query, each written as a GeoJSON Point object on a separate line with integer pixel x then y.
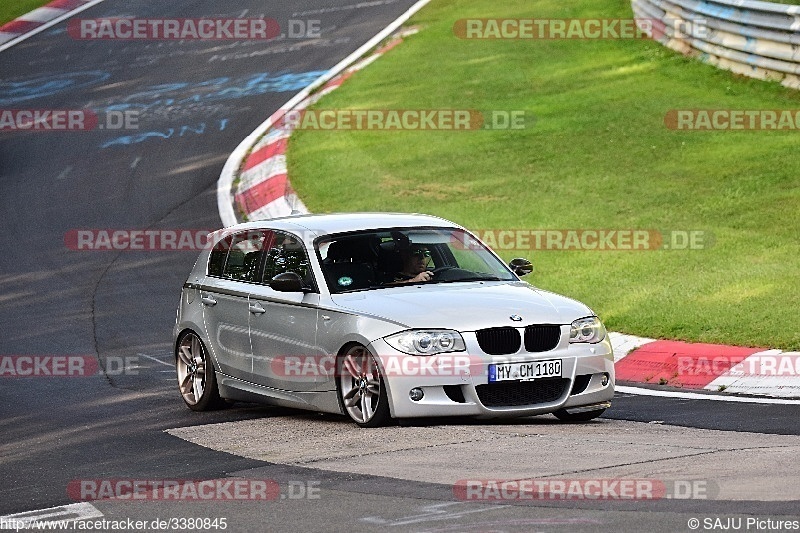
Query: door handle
{"type": "Point", "coordinates": [256, 309]}
{"type": "Point", "coordinates": [209, 300]}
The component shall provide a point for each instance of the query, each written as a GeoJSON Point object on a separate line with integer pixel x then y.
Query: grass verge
{"type": "Point", "coordinates": [598, 156]}
{"type": "Point", "coordinates": [10, 10]}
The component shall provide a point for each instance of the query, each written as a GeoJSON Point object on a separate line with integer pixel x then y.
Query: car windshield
{"type": "Point", "coordinates": [385, 258]}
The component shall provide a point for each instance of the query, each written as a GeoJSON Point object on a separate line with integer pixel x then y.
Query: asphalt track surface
{"type": "Point", "coordinates": [196, 101]}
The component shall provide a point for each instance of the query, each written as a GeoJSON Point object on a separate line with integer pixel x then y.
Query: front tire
{"type": "Point", "coordinates": [197, 380]}
{"type": "Point", "coordinates": [361, 389]}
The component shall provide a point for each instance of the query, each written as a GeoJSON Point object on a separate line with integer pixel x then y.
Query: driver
{"type": "Point", "coordinates": [415, 265]}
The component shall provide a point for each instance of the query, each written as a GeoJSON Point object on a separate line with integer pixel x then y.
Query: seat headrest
{"type": "Point", "coordinates": [356, 249]}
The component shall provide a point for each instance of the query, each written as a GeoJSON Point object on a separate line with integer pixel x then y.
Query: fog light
{"type": "Point", "coordinates": [416, 394]}
{"type": "Point", "coordinates": [604, 381]}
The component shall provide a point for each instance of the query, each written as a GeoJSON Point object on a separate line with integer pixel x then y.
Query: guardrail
{"type": "Point", "coordinates": [756, 39]}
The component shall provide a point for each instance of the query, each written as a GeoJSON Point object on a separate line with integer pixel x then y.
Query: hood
{"type": "Point", "coordinates": [464, 306]}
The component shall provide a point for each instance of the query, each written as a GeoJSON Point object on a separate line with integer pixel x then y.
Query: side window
{"type": "Point", "coordinates": [241, 262]}
{"type": "Point", "coordinates": [216, 261]}
{"type": "Point", "coordinates": [286, 254]}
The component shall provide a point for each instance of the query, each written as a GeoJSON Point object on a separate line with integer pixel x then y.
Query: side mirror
{"type": "Point", "coordinates": [521, 266]}
{"type": "Point", "coordinates": [287, 282]}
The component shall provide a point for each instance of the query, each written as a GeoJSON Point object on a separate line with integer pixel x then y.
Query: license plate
{"type": "Point", "coordinates": [525, 371]}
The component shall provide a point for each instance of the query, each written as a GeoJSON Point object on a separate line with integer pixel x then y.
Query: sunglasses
{"type": "Point", "coordinates": [421, 253]}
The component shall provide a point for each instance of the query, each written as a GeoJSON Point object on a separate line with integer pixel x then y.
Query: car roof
{"type": "Point", "coordinates": [343, 222]}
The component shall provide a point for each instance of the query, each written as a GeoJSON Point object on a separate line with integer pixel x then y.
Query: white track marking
{"type": "Point", "coordinates": [64, 173]}
{"type": "Point", "coordinates": [62, 514]}
{"type": "Point", "coordinates": [50, 24]}
{"type": "Point", "coordinates": [772, 372]}
{"type": "Point", "coordinates": [154, 359]}
{"type": "Point", "coordinates": [698, 396]}
{"type": "Point", "coordinates": [429, 513]}
{"type": "Point", "coordinates": [624, 344]}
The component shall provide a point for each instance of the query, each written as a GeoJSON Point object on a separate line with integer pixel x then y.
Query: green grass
{"type": "Point", "coordinates": [11, 9]}
{"type": "Point", "coordinates": [598, 156]}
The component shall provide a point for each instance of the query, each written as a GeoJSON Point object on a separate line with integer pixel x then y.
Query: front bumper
{"type": "Point", "coordinates": [457, 384]}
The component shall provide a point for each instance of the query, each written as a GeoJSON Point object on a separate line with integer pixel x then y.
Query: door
{"type": "Point", "coordinates": [232, 269]}
{"type": "Point", "coordinates": [283, 326]}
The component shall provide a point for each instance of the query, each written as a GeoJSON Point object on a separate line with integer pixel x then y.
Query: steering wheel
{"type": "Point", "coordinates": [446, 273]}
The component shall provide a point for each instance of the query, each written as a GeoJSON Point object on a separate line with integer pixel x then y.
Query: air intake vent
{"type": "Point", "coordinates": [499, 341]}
{"type": "Point", "coordinates": [581, 382]}
{"type": "Point", "coordinates": [513, 394]}
{"type": "Point", "coordinates": [455, 393]}
{"type": "Point", "coordinates": [542, 337]}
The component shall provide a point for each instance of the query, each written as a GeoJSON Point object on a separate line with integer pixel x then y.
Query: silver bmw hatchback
{"type": "Point", "coordinates": [382, 316]}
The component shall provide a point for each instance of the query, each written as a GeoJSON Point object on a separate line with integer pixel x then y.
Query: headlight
{"type": "Point", "coordinates": [588, 329]}
{"type": "Point", "coordinates": [426, 342]}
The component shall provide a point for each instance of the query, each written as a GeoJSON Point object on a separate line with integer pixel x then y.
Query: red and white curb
{"type": "Point", "coordinates": [262, 191]}
{"type": "Point", "coordinates": [711, 367]}
{"type": "Point", "coordinates": [40, 19]}
{"type": "Point", "coordinates": [253, 181]}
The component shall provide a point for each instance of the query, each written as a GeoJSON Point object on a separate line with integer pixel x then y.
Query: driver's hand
{"type": "Point", "coordinates": [423, 276]}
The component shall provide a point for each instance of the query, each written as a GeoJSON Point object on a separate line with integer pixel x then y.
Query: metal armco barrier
{"type": "Point", "coordinates": [756, 39]}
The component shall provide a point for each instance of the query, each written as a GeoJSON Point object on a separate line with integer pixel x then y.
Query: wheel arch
{"type": "Point", "coordinates": [206, 345]}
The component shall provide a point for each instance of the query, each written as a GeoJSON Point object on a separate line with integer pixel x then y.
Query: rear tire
{"type": "Point", "coordinates": [197, 380]}
{"type": "Point", "coordinates": [585, 416]}
{"type": "Point", "coordinates": [360, 388]}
